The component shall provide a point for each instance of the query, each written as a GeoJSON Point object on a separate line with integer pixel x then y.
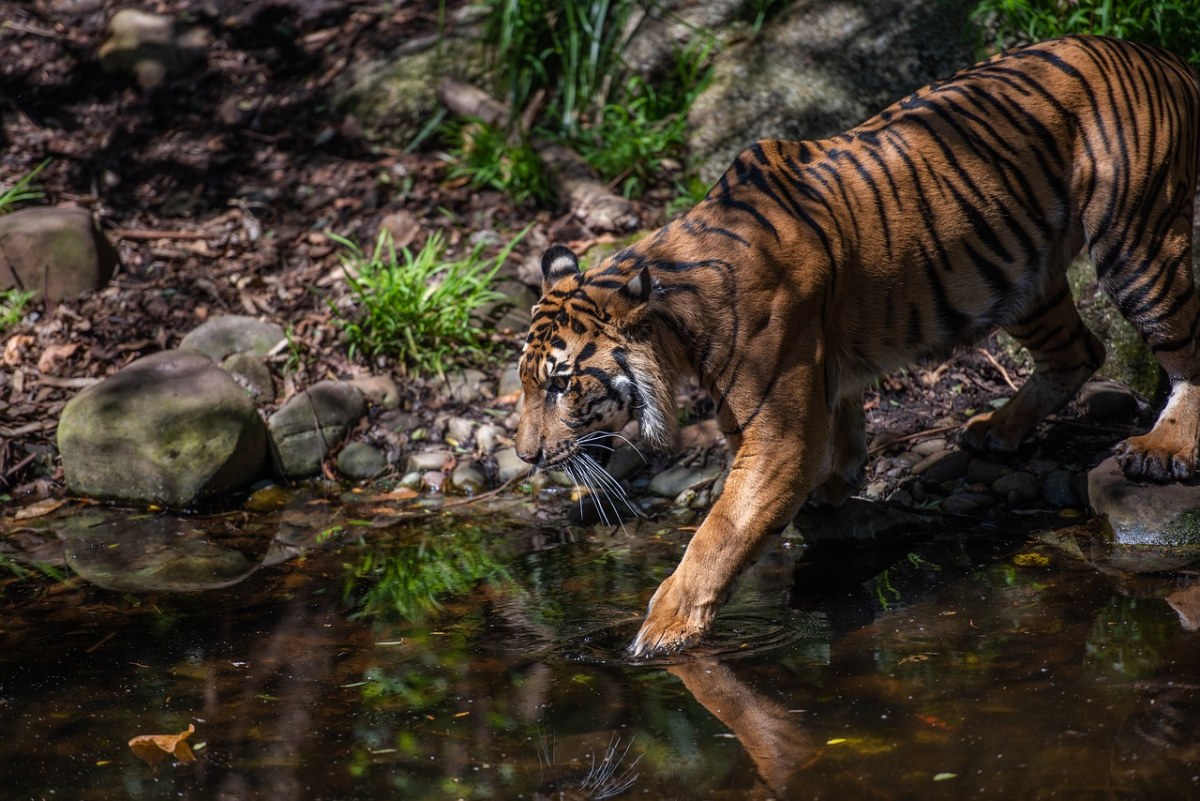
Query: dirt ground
{"type": "Point", "coordinates": [218, 187]}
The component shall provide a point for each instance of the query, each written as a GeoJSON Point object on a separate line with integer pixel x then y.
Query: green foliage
{"type": "Point", "coordinates": [22, 190]}
{"type": "Point", "coordinates": [488, 157]}
{"type": "Point", "coordinates": [417, 307]}
{"type": "Point", "coordinates": [407, 582]}
{"type": "Point", "coordinates": [12, 307]}
{"type": "Point", "coordinates": [1171, 24]}
{"type": "Point", "coordinates": [561, 74]}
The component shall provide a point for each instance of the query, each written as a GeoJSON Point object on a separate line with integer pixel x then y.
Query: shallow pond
{"type": "Point", "coordinates": [343, 651]}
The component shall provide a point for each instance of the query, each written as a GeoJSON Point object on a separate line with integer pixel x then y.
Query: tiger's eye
{"type": "Point", "coordinates": [558, 383]}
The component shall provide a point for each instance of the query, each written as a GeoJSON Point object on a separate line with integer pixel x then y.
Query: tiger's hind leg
{"type": "Point", "coordinates": [1065, 355]}
{"type": "Point", "coordinates": [1157, 294]}
{"type": "Point", "coordinates": [849, 437]}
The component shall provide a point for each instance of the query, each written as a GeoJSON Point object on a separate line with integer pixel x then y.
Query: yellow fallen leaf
{"type": "Point", "coordinates": [835, 741]}
{"type": "Point", "coordinates": [1031, 560]}
{"type": "Point", "coordinates": [38, 509]}
{"type": "Point", "coordinates": [154, 748]}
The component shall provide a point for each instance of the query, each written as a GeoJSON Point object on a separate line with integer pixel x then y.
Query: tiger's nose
{"type": "Point", "coordinates": [531, 456]}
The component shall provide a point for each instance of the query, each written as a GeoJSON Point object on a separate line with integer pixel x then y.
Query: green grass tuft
{"type": "Point", "coordinates": [416, 307]}
{"type": "Point", "coordinates": [22, 190]}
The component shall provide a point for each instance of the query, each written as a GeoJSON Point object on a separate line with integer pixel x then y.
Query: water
{"type": "Point", "coordinates": [341, 651]}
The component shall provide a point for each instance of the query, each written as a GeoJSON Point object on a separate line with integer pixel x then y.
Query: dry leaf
{"type": "Point", "coordinates": [398, 494]}
{"type": "Point", "coordinates": [14, 348]}
{"type": "Point", "coordinates": [54, 355]}
{"type": "Point", "coordinates": [154, 748]}
{"type": "Point", "coordinates": [38, 509]}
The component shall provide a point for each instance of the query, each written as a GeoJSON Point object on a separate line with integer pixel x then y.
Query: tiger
{"type": "Point", "coordinates": [811, 268]}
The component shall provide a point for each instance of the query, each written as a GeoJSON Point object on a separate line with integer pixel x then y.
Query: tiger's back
{"type": "Point", "coordinates": [812, 267]}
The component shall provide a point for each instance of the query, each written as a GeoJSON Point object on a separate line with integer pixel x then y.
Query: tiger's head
{"type": "Point", "coordinates": [589, 365]}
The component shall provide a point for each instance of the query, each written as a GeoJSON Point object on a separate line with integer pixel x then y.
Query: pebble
{"type": "Point", "coordinates": [460, 429]}
{"type": "Point", "coordinates": [928, 447]}
{"type": "Point", "coordinates": [423, 461]}
{"type": "Point", "coordinates": [509, 465]}
{"type": "Point", "coordinates": [433, 480]}
{"type": "Point", "coordinates": [982, 471]}
{"type": "Point", "coordinates": [950, 468]}
{"type": "Point", "coordinates": [1019, 487]}
{"type": "Point", "coordinates": [968, 503]}
{"type": "Point", "coordinates": [467, 479]}
{"type": "Point", "coordinates": [360, 462]}
{"type": "Point", "coordinates": [1057, 489]}
{"type": "Point", "coordinates": [485, 439]}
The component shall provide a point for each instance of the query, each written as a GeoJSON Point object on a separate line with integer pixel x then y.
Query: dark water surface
{"type": "Point", "coordinates": [330, 652]}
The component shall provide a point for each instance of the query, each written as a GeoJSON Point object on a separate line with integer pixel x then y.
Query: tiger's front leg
{"type": "Point", "coordinates": [776, 465]}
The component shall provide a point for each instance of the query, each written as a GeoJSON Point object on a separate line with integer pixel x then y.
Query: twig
{"type": "Point", "coordinates": [1000, 367]}
{"type": "Point", "coordinates": [915, 435]}
{"type": "Point", "coordinates": [139, 234]}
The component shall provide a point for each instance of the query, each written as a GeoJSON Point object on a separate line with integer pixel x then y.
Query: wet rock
{"type": "Point", "coordinates": [146, 46]}
{"type": "Point", "coordinates": [812, 72]}
{"type": "Point", "coordinates": [252, 374]}
{"type": "Point", "coordinates": [361, 462]}
{"type": "Point", "coordinates": [424, 461]}
{"type": "Point", "coordinates": [982, 471]}
{"type": "Point", "coordinates": [1153, 526]}
{"type": "Point", "coordinates": [948, 468]}
{"type": "Point", "coordinates": [467, 479]}
{"type": "Point", "coordinates": [510, 466]}
{"type": "Point", "coordinates": [1058, 489]}
{"type": "Point", "coordinates": [379, 390]}
{"type": "Point", "coordinates": [861, 521]}
{"type": "Point", "coordinates": [162, 553]}
{"type": "Point", "coordinates": [968, 503]}
{"type": "Point", "coordinates": [221, 337]}
{"type": "Point", "coordinates": [1017, 488]}
{"type": "Point", "coordinates": [625, 461]}
{"type": "Point", "coordinates": [311, 424]}
{"type": "Point", "coordinates": [1105, 401]}
{"type": "Point", "coordinates": [171, 428]}
{"type": "Point", "coordinates": [468, 386]}
{"type": "Point", "coordinates": [410, 481]}
{"type": "Point", "coordinates": [672, 481]}
{"type": "Point", "coordinates": [434, 480]}
{"type": "Point", "coordinates": [57, 252]}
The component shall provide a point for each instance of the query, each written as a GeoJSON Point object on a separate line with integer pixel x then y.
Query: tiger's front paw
{"type": "Point", "coordinates": [677, 618]}
{"type": "Point", "coordinates": [1153, 458]}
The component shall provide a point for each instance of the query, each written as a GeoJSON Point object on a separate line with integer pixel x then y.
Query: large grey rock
{"type": "Point", "coordinates": [221, 337]}
{"type": "Point", "coordinates": [171, 428]}
{"type": "Point", "coordinates": [820, 68]}
{"type": "Point", "coordinates": [57, 252]}
{"type": "Point", "coordinates": [306, 428]}
{"type": "Point", "coordinates": [1152, 527]}
{"type": "Point", "coordinates": [394, 97]}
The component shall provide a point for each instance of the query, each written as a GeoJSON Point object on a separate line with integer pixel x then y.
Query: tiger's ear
{"type": "Point", "coordinates": [632, 298]}
{"type": "Point", "coordinates": [557, 263]}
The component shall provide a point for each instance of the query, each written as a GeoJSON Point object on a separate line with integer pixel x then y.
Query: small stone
{"type": "Point", "coordinates": [433, 480]}
{"type": "Point", "coordinates": [57, 252]}
{"type": "Point", "coordinates": [509, 465]}
{"type": "Point", "coordinates": [918, 491]}
{"type": "Point", "coordinates": [467, 479]}
{"type": "Point", "coordinates": [875, 490]}
{"type": "Point", "coordinates": [424, 461]}
{"type": "Point", "coordinates": [485, 439]}
{"type": "Point", "coordinates": [928, 447]}
{"type": "Point", "coordinates": [674, 480]}
{"type": "Point", "coordinates": [361, 462]}
{"type": "Point", "coordinates": [313, 422]}
{"type": "Point", "coordinates": [952, 467]}
{"type": "Point", "coordinates": [410, 480]}
{"type": "Point", "coordinates": [510, 383]}
{"type": "Point", "coordinates": [379, 390]}
{"type": "Point", "coordinates": [1020, 487]}
{"type": "Point", "coordinates": [221, 337]}
{"type": "Point", "coordinates": [1105, 401]}
{"type": "Point", "coordinates": [1057, 489]}
{"type": "Point", "coordinates": [982, 471]}
{"type": "Point", "coordinates": [625, 461]}
{"type": "Point", "coordinates": [968, 503]}
{"type": "Point", "coordinates": [468, 386]}
{"type": "Point", "coordinates": [252, 374]}
{"type": "Point", "coordinates": [684, 499]}
{"type": "Point", "coordinates": [460, 429]}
